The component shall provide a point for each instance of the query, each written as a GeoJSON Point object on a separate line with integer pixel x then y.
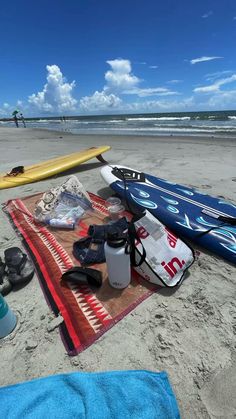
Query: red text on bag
{"type": "Point", "coordinates": [170, 268]}
{"type": "Point", "coordinates": [172, 240]}
{"type": "Point", "coordinates": [142, 233]}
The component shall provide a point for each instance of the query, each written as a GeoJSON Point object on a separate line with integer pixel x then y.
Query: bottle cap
{"type": "Point", "coordinates": [116, 239]}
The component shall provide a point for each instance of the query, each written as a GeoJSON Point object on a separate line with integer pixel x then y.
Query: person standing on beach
{"type": "Point", "coordinates": [15, 119]}
{"type": "Point", "coordinates": [22, 119]}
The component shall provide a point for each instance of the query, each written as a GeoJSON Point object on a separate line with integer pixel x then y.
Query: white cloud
{"type": "Point", "coordinates": [7, 109]}
{"type": "Point", "coordinates": [150, 91]}
{"type": "Point", "coordinates": [153, 66]}
{"type": "Point", "coordinates": [56, 95]}
{"type": "Point", "coordinates": [224, 100]}
{"type": "Point", "coordinates": [4, 112]}
{"type": "Point", "coordinates": [175, 81]}
{"type": "Point", "coordinates": [206, 15]}
{"type": "Point", "coordinates": [215, 87]}
{"type": "Point", "coordinates": [217, 74]}
{"type": "Point", "coordinates": [120, 78]}
{"type": "Point", "coordinates": [100, 101]}
{"type": "Point", "coordinates": [161, 105]}
{"type": "Point", "coordinates": [120, 81]}
{"type": "Point", "coordinates": [202, 59]}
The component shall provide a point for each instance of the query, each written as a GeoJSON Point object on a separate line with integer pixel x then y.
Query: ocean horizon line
{"type": "Point", "coordinates": [117, 115]}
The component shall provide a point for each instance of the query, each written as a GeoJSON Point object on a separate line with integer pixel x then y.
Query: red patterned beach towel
{"type": "Point", "coordinates": [87, 314]}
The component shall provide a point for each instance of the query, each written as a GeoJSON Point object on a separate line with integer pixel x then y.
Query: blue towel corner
{"type": "Point", "coordinates": [105, 395]}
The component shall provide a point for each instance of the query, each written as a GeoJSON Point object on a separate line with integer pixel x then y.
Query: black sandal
{"type": "Point", "coordinates": [83, 276]}
{"type": "Point", "coordinates": [2, 270]}
{"type": "Point", "coordinates": [5, 285]}
{"type": "Point", "coordinates": [19, 268]}
{"type": "Point", "coordinates": [18, 170]}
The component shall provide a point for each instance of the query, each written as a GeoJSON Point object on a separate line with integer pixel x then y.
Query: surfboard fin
{"type": "Point", "coordinates": [101, 159]}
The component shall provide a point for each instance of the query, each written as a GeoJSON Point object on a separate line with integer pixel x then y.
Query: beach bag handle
{"type": "Point", "coordinates": [133, 238]}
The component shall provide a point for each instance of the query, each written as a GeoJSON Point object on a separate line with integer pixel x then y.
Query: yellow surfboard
{"type": "Point", "coordinates": [52, 167]}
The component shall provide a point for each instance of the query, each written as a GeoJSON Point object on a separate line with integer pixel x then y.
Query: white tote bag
{"type": "Point", "coordinates": [165, 258]}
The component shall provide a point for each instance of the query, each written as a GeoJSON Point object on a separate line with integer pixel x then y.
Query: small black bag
{"type": "Point", "coordinates": [18, 170]}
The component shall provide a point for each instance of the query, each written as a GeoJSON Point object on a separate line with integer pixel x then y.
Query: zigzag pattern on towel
{"type": "Point", "coordinates": [59, 254]}
{"type": "Point", "coordinates": [100, 207]}
{"type": "Point", "coordinates": [92, 309]}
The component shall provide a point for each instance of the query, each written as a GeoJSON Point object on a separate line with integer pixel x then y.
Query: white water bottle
{"type": "Point", "coordinates": [118, 260]}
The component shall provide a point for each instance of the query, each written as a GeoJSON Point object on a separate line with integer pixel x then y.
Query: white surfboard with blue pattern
{"type": "Point", "coordinates": [189, 213]}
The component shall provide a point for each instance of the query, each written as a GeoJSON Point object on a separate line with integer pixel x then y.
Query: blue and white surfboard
{"type": "Point", "coordinates": [188, 213]}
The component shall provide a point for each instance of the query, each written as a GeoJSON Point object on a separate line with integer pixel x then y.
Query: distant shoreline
{"type": "Point", "coordinates": [221, 124]}
{"type": "Point", "coordinates": [134, 139]}
{"type": "Point", "coordinates": [118, 115]}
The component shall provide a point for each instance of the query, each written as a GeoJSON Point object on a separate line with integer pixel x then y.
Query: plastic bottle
{"type": "Point", "coordinates": [57, 223]}
{"type": "Point", "coordinates": [118, 260]}
{"type": "Point", "coordinates": [7, 318]}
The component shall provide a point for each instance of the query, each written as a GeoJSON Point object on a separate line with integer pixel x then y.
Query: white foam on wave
{"type": "Point", "coordinates": [153, 129]}
{"type": "Point", "coordinates": [174, 118]}
{"type": "Point", "coordinates": [76, 121]}
{"type": "Point", "coordinates": [172, 129]}
{"type": "Point", "coordinates": [218, 127]}
{"type": "Point", "coordinates": [81, 122]}
{"type": "Point", "coordinates": [142, 119]}
{"type": "Point", "coordinates": [46, 121]}
{"type": "Point", "coordinates": [196, 127]}
{"type": "Point", "coordinates": [184, 129]}
{"type": "Point", "coordinates": [116, 120]}
{"type": "Point", "coordinates": [232, 117]}
{"type": "Point", "coordinates": [161, 118]}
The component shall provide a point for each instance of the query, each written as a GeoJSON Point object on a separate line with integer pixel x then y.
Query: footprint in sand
{"type": "Point", "coordinates": [206, 186]}
{"type": "Point", "coordinates": [218, 394]}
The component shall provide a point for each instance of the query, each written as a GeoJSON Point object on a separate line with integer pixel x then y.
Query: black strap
{"type": "Point", "coordinates": [228, 220]}
{"type": "Point", "coordinates": [132, 237]}
{"type": "Point", "coordinates": [18, 170]}
{"type": "Point", "coordinates": [134, 209]}
{"type": "Point", "coordinates": [225, 221]}
{"type": "Point", "coordinates": [131, 229]}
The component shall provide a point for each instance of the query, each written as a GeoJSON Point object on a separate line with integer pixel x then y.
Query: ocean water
{"type": "Point", "coordinates": [212, 124]}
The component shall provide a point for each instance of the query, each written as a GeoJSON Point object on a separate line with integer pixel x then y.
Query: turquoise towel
{"type": "Point", "coordinates": [105, 395]}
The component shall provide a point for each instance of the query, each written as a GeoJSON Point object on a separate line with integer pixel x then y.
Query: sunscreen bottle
{"type": "Point", "coordinates": [7, 318]}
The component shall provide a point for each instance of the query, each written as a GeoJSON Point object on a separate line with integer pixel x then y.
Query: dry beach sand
{"type": "Point", "coordinates": [190, 333]}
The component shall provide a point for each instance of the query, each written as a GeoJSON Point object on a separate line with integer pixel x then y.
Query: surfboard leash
{"type": "Point", "coordinates": [225, 222]}
{"type": "Point", "coordinates": [132, 234]}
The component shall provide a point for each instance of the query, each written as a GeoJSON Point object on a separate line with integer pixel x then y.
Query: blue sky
{"type": "Point", "coordinates": [70, 57]}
